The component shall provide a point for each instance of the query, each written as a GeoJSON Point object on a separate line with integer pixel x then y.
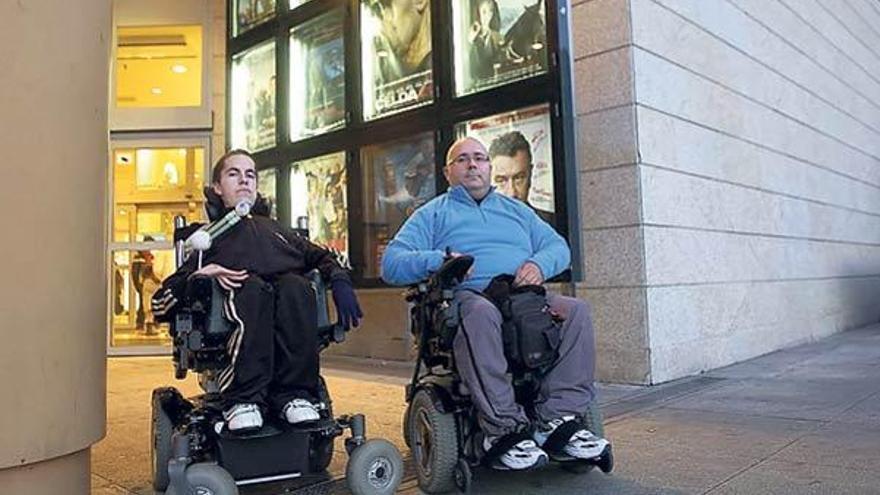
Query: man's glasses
{"type": "Point", "coordinates": [464, 159]}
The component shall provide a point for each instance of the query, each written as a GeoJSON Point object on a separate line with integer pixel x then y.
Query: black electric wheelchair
{"type": "Point", "coordinates": [192, 452]}
{"type": "Point", "coordinates": [440, 423]}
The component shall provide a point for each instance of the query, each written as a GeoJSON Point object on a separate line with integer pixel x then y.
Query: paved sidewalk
{"type": "Point", "coordinates": [800, 421]}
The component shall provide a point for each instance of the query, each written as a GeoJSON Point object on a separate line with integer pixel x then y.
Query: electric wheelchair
{"type": "Point", "coordinates": [192, 452]}
{"type": "Point", "coordinates": [440, 423]}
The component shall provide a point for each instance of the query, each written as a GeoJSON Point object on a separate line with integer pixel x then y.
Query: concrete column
{"type": "Point", "coordinates": [53, 135]}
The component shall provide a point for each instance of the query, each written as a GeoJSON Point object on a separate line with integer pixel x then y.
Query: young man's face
{"type": "Point", "coordinates": [238, 181]}
{"type": "Point", "coordinates": [512, 175]}
{"type": "Point", "coordinates": [467, 163]}
{"type": "Point", "coordinates": [401, 21]}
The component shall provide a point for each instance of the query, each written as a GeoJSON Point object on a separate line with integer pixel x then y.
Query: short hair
{"type": "Point", "coordinates": [217, 171]}
{"type": "Point", "coordinates": [509, 144]}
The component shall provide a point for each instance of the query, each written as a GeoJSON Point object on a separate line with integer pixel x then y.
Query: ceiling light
{"type": "Point", "coordinates": [156, 91]}
{"type": "Point", "coordinates": [178, 68]}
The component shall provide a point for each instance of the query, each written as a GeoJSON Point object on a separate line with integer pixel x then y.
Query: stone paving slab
{"type": "Point", "coordinates": [784, 478]}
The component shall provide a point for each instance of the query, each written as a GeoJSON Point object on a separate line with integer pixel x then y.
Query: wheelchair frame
{"type": "Point", "coordinates": [438, 398]}
{"type": "Point", "coordinates": [190, 447]}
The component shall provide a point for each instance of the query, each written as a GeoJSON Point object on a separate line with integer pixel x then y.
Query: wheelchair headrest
{"type": "Point", "coordinates": [215, 209]}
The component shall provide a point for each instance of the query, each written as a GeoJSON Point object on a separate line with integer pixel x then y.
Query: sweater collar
{"type": "Point", "coordinates": [459, 193]}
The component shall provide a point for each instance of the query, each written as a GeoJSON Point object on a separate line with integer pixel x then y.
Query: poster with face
{"type": "Point", "coordinates": [318, 193]}
{"type": "Point", "coordinates": [253, 98]}
{"type": "Point", "coordinates": [249, 13]}
{"type": "Point", "coordinates": [398, 178]}
{"type": "Point", "coordinates": [266, 188]}
{"type": "Point", "coordinates": [497, 41]}
{"type": "Point", "coordinates": [396, 54]}
{"type": "Point", "coordinates": [317, 77]}
{"type": "Point", "coordinates": [521, 151]}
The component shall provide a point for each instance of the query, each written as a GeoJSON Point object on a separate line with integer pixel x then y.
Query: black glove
{"type": "Point", "coordinates": [347, 308]}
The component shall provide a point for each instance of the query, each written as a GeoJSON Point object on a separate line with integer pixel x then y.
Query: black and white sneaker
{"type": "Point", "coordinates": [581, 444]}
{"type": "Point", "coordinates": [300, 411]}
{"type": "Point", "coordinates": [524, 454]}
{"type": "Point", "coordinates": [243, 417]}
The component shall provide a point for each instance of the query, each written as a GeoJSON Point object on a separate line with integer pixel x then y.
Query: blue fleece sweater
{"type": "Point", "coordinates": [499, 232]}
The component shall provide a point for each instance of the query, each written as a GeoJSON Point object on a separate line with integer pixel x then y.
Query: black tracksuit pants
{"type": "Point", "coordinates": [274, 347]}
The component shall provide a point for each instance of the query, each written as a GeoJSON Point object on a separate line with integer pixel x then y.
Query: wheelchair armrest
{"type": "Point", "coordinates": [452, 272]}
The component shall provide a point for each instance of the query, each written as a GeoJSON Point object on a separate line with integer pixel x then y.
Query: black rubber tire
{"type": "Point", "coordinates": [407, 439]}
{"type": "Point", "coordinates": [374, 468]}
{"type": "Point", "coordinates": [209, 479]}
{"type": "Point", "coordinates": [161, 430]}
{"type": "Point", "coordinates": [321, 453]}
{"type": "Point", "coordinates": [434, 448]}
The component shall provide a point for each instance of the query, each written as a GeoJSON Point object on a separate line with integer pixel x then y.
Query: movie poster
{"type": "Point", "coordinates": [317, 77]}
{"type": "Point", "coordinates": [253, 98]}
{"type": "Point", "coordinates": [396, 54]}
{"type": "Point", "coordinates": [398, 177]}
{"type": "Point", "coordinates": [266, 188]}
{"type": "Point", "coordinates": [249, 13]}
{"type": "Point", "coordinates": [318, 194]}
{"type": "Point", "coordinates": [521, 150]}
{"type": "Point", "coordinates": [497, 41]}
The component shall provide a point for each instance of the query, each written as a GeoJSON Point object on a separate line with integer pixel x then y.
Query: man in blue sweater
{"type": "Point", "coordinates": [504, 236]}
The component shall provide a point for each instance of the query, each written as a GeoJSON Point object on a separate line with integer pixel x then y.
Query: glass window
{"type": "Point", "coordinates": [520, 147]}
{"type": "Point", "coordinates": [318, 200]}
{"type": "Point", "coordinates": [158, 66]}
{"type": "Point", "coordinates": [317, 77]}
{"type": "Point", "coordinates": [150, 187]}
{"type": "Point", "coordinates": [396, 55]}
{"type": "Point", "coordinates": [250, 13]}
{"type": "Point", "coordinates": [497, 41]}
{"type": "Point", "coordinates": [253, 98]}
{"type": "Point", "coordinates": [135, 276]}
{"type": "Point", "coordinates": [398, 177]}
{"type": "Point", "coordinates": [266, 186]}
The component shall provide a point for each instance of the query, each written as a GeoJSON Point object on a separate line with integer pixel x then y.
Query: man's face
{"type": "Point", "coordinates": [512, 175]}
{"type": "Point", "coordinates": [401, 21]}
{"type": "Point", "coordinates": [238, 181]}
{"type": "Point", "coordinates": [467, 163]}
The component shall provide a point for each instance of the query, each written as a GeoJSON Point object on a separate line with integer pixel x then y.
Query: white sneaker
{"type": "Point", "coordinates": [524, 455]}
{"type": "Point", "coordinates": [243, 417]}
{"type": "Point", "coordinates": [582, 444]}
{"type": "Point", "coordinates": [300, 411]}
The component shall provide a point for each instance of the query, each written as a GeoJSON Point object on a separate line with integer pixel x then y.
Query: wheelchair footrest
{"type": "Point", "coordinates": [267, 452]}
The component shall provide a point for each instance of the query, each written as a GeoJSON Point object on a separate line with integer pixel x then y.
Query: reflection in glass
{"type": "Point", "coordinates": [266, 188]}
{"type": "Point", "coordinates": [249, 13]}
{"type": "Point", "coordinates": [150, 187]}
{"type": "Point", "coordinates": [319, 202]}
{"type": "Point", "coordinates": [253, 98]}
{"type": "Point", "coordinates": [398, 177]}
{"type": "Point", "coordinates": [396, 54]}
{"type": "Point", "coordinates": [497, 41]}
{"type": "Point", "coordinates": [520, 147]}
{"type": "Point", "coordinates": [317, 77]}
{"type": "Point", "coordinates": [135, 276]}
{"type": "Point", "coordinates": [296, 3]}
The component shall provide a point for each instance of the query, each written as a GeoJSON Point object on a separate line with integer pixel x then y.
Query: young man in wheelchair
{"type": "Point", "coordinates": [273, 350]}
{"type": "Point", "coordinates": [504, 236]}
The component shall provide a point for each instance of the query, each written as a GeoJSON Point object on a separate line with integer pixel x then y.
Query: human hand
{"type": "Point", "coordinates": [347, 308]}
{"type": "Point", "coordinates": [528, 274]}
{"type": "Point", "coordinates": [228, 279]}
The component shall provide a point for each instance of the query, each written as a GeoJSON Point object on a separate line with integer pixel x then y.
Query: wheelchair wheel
{"type": "Point", "coordinates": [208, 479]}
{"type": "Point", "coordinates": [320, 453]}
{"type": "Point", "coordinates": [161, 430]}
{"type": "Point", "coordinates": [407, 439]}
{"type": "Point", "coordinates": [434, 439]}
{"type": "Point", "coordinates": [374, 468]}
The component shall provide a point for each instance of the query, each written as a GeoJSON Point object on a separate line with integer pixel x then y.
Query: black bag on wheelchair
{"type": "Point", "coordinates": [530, 333]}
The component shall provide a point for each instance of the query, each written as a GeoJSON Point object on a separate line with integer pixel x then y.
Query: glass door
{"type": "Point", "coordinates": [152, 182]}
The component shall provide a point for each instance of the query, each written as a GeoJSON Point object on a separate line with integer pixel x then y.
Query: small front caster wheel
{"type": "Point", "coordinates": [374, 468]}
{"type": "Point", "coordinates": [208, 479]}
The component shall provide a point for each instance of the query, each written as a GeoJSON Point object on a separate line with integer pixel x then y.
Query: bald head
{"type": "Point", "coordinates": [467, 164]}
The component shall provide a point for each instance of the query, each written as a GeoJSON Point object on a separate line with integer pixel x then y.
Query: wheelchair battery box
{"type": "Point", "coordinates": [269, 451]}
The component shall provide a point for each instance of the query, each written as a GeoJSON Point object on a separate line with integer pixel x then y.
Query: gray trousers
{"type": "Point", "coordinates": [479, 353]}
